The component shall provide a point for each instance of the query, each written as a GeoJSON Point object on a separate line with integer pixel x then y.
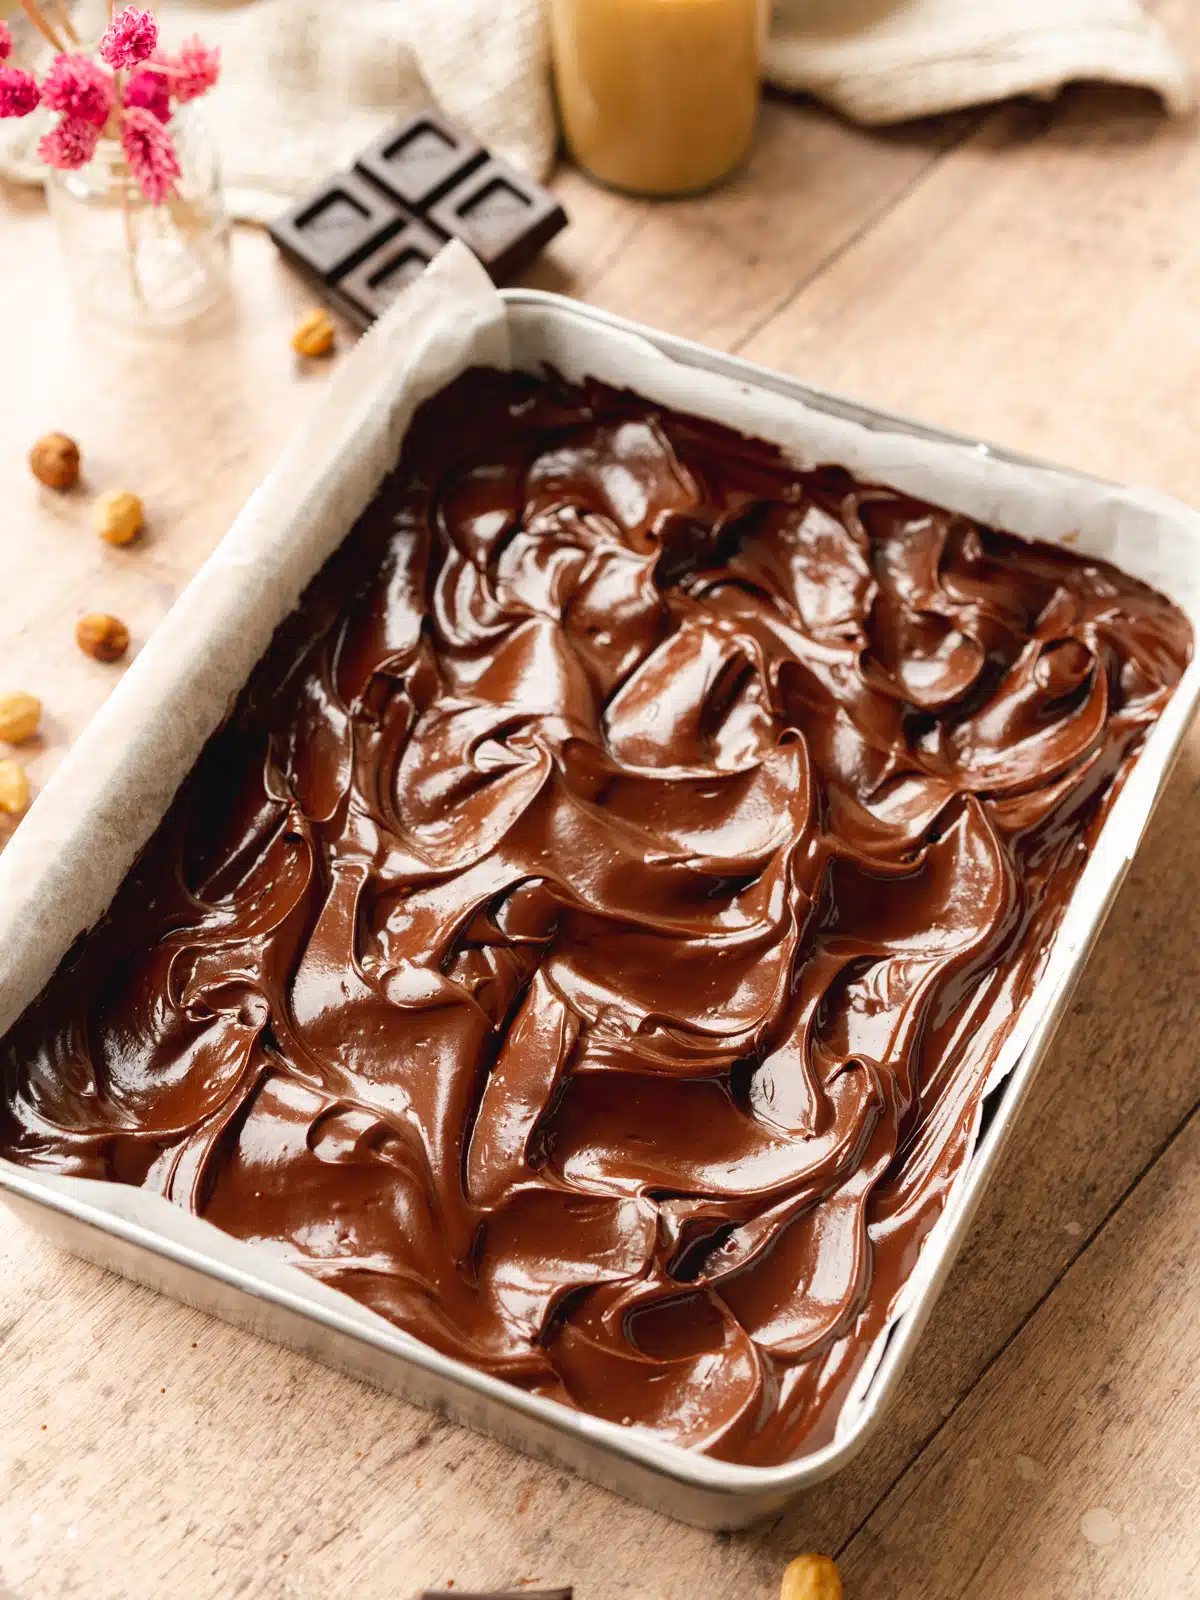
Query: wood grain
{"type": "Point", "coordinates": [190, 427]}
{"type": "Point", "coordinates": [232, 1467]}
{"type": "Point", "coordinates": [713, 267]}
{"type": "Point", "coordinates": [1033, 275]}
{"type": "Point", "coordinates": [1066, 1477]}
{"type": "Point", "coordinates": [1041, 288]}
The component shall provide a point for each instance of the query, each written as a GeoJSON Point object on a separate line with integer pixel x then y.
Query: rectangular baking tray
{"type": "Point", "coordinates": [244, 1286]}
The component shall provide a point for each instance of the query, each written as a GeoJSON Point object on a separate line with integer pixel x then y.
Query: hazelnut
{"type": "Point", "coordinates": [55, 461]}
{"type": "Point", "coordinates": [811, 1578]}
{"type": "Point", "coordinates": [102, 636]}
{"type": "Point", "coordinates": [118, 516]}
{"type": "Point", "coordinates": [14, 788]}
{"type": "Point", "coordinates": [20, 714]}
{"type": "Point", "coordinates": [314, 334]}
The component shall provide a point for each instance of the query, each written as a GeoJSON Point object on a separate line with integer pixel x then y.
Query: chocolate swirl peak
{"type": "Point", "coordinates": [589, 939]}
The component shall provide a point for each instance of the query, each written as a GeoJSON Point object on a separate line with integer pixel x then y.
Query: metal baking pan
{"type": "Point", "coordinates": [191, 1262]}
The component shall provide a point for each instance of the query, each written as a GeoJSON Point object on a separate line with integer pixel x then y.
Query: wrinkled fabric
{"type": "Point", "coordinates": [881, 61]}
{"type": "Point", "coordinates": [588, 942]}
{"type": "Point", "coordinates": [307, 84]}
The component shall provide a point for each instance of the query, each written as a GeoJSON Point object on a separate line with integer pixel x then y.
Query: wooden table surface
{"type": "Point", "coordinates": [1029, 274]}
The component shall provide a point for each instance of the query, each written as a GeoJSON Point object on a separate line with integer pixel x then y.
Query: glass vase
{"type": "Point", "coordinates": [145, 267]}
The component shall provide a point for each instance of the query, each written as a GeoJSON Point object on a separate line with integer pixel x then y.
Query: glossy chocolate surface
{"type": "Point", "coordinates": [588, 941]}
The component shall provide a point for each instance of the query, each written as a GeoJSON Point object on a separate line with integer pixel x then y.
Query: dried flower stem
{"type": "Point", "coordinates": [135, 282]}
{"type": "Point", "coordinates": [64, 16]}
{"type": "Point", "coordinates": [185, 216]}
{"type": "Point", "coordinates": [34, 13]}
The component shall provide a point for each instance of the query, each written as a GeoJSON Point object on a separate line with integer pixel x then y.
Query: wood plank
{"type": "Point", "coordinates": [137, 1430]}
{"type": "Point", "coordinates": [1041, 288]}
{"type": "Point", "coordinates": [714, 266]}
{"type": "Point", "coordinates": [1056, 1478]}
{"type": "Point", "coordinates": [189, 426]}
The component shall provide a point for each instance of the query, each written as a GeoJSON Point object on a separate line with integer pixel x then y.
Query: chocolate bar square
{"type": "Point", "coordinates": [364, 234]}
{"type": "Point", "coordinates": [504, 217]}
{"type": "Point", "coordinates": [331, 231]}
{"type": "Point", "coordinates": [371, 286]}
{"type": "Point", "coordinates": [421, 160]}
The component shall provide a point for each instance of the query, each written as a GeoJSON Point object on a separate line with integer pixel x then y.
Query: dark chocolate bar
{"type": "Point", "coordinates": [364, 234]}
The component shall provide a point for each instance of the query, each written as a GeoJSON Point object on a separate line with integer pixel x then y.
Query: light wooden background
{"type": "Point", "coordinates": [1032, 275]}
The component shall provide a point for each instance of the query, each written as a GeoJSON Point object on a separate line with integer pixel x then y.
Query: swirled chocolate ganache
{"type": "Point", "coordinates": [588, 940]}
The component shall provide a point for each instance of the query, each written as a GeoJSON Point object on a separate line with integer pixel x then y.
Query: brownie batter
{"type": "Point", "coordinates": [587, 942]}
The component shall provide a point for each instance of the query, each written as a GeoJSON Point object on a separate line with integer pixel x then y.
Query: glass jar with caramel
{"type": "Point", "coordinates": [658, 97]}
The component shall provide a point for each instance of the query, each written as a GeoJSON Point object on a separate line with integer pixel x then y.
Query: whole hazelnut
{"type": "Point", "coordinates": [14, 788]}
{"type": "Point", "coordinates": [55, 461]}
{"type": "Point", "coordinates": [20, 714]}
{"type": "Point", "coordinates": [104, 637]}
{"type": "Point", "coordinates": [811, 1577]}
{"type": "Point", "coordinates": [118, 516]}
{"type": "Point", "coordinates": [314, 334]}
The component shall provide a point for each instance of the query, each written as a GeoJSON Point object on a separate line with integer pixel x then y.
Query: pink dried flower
{"type": "Point", "coordinates": [69, 145]}
{"type": "Point", "coordinates": [19, 93]}
{"type": "Point", "coordinates": [150, 90]}
{"type": "Point", "coordinates": [150, 153]}
{"type": "Point", "coordinates": [193, 69]}
{"type": "Point", "coordinates": [79, 89]}
{"type": "Point", "coordinates": [5, 41]}
{"type": "Point", "coordinates": [130, 37]}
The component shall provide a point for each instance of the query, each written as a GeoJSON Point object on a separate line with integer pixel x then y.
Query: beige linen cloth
{"type": "Point", "coordinates": [307, 83]}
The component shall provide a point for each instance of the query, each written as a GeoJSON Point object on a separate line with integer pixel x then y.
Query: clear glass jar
{"type": "Point", "coordinates": [143, 266]}
{"type": "Point", "coordinates": [658, 97]}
